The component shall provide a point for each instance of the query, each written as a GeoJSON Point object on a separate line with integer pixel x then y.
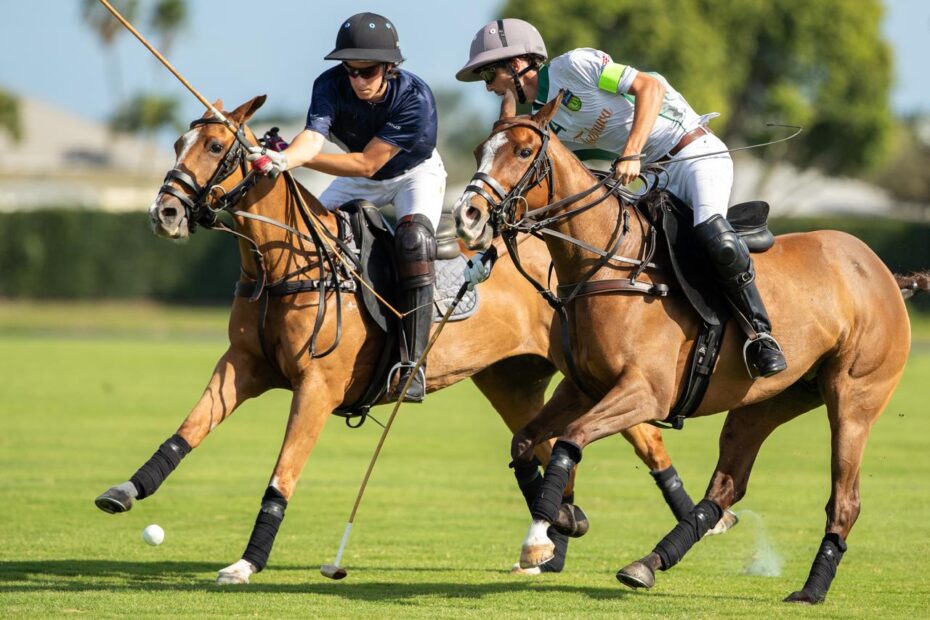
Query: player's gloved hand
{"type": "Point", "coordinates": [267, 162]}
{"type": "Point", "coordinates": [476, 271]}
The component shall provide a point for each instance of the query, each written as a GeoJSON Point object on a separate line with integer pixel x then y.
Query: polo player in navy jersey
{"type": "Point", "coordinates": [385, 119]}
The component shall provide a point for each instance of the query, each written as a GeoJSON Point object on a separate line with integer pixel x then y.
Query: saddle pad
{"type": "Point", "coordinates": [449, 279]}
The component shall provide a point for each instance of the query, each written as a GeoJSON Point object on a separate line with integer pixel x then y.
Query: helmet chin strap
{"type": "Point", "coordinates": [521, 96]}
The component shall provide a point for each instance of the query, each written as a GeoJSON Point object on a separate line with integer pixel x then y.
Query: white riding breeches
{"type": "Point", "coordinates": [704, 183]}
{"type": "Point", "coordinates": [419, 190]}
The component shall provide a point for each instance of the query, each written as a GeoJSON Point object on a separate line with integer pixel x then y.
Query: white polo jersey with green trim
{"type": "Point", "coordinates": [596, 113]}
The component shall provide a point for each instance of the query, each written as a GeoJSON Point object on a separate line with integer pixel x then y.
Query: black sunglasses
{"type": "Point", "coordinates": [366, 74]}
{"type": "Point", "coordinates": [489, 73]}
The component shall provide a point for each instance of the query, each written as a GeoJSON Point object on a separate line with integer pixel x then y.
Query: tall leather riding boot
{"type": "Point", "coordinates": [733, 264]}
{"type": "Point", "coordinates": [416, 329]}
{"type": "Point", "coordinates": [415, 251]}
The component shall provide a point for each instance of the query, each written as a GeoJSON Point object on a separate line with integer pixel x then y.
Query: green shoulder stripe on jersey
{"type": "Point", "coordinates": [610, 77]}
{"type": "Point", "coordinates": [588, 154]}
{"type": "Point", "coordinates": [542, 89]}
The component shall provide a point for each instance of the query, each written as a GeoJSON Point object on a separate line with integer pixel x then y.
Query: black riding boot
{"type": "Point", "coordinates": [415, 250]}
{"type": "Point", "coordinates": [731, 259]}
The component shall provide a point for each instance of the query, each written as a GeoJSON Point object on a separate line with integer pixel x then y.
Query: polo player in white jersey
{"type": "Point", "coordinates": [612, 111]}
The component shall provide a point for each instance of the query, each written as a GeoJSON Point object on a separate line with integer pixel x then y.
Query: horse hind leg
{"type": "Point", "coordinates": [234, 380]}
{"type": "Point", "coordinates": [741, 437]}
{"type": "Point", "coordinates": [853, 406]}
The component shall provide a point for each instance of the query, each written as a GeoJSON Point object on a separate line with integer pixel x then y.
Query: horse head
{"type": "Point", "coordinates": [513, 164]}
{"type": "Point", "coordinates": [210, 161]}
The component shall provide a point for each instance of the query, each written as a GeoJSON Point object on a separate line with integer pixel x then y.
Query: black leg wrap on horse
{"type": "Point", "coordinates": [673, 490]}
{"type": "Point", "coordinates": [266, 528]}
{"type": "Point", "coordinates": [688, 531]}
{"type": "Point", "coordinates": [529, 480]}
{"type": "Point", "coordinates": [150, 476]}
{"type": "Point", "coordinates": [831, 551]}
{"type": "Point", "coordinates": [565, 455]}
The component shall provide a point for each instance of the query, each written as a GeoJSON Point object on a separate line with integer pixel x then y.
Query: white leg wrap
{"type": "Point", "coordinates": [238, 572]}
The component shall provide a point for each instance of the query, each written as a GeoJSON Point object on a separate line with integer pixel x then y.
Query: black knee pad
{"type": "Point", "coordinates": [265, 529]}
{"type": "Point", "coordinates": [168, 456]}
{"type": "Point", "coordinates": [415, 251]}
{"type": "Point", "coordinates": [725, 249]}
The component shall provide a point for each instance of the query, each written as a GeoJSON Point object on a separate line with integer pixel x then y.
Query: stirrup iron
{"type": "Point", "coordinates": [750, 340]}
{"type": "Point", "coordinates": [399, 367]}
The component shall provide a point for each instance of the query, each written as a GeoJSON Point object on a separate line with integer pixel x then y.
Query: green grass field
{"type": "Point", "coordinates": [87, 393]}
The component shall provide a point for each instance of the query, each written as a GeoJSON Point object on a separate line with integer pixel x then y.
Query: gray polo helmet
{"type": "Point", "coordinates": [367, 37]}
{"type": "Point", "coordinates": [500, 40]}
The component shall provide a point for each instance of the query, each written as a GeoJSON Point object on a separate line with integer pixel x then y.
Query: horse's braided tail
{"type": "Point", "coordinates": [914, 283]}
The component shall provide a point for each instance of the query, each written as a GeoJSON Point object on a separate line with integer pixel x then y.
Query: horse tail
{"type": "Point", "coordinates": [912, 284]}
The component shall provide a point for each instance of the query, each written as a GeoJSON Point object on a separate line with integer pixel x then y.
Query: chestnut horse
{"type": "Point", "coordinates": [838, 313]}
{"type": "Point", "coordinates": [513, 373]}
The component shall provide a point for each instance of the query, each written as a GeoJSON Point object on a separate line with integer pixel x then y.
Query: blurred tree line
{"type": "Point", "coordinates": [823, 65]}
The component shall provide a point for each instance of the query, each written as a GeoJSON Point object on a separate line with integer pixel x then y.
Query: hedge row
{"type": "Point", "coordinates": [69, 254]}
{"type": "Point", "coordinates": [66, 254]}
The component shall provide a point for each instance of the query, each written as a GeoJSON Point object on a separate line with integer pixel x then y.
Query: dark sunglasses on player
{"type": "Point", "coordinates": [489, 73]}
{"type": "Point", "coordinates": [366, 74]}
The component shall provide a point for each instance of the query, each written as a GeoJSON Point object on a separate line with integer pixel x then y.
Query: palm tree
{"type": "Point", "coordinates": [99, 19]}
{"type": "Point", "coordinates": [146, 114]}
{"type": "Point", "coordinates": [167, 18]}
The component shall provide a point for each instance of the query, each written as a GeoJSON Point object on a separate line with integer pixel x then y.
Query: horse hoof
{"type": "Point", "coordinates": [637, 575]}
{"type": "Point", "coordinates": [725, 524]}
{"type": "Point", "coordinates": [535, 555]}
{"type": "Point", "coordinates": [571, 521]}
{"type": "Point", "coordinates": [517, 570]}
{"type": "Point", "coordinates": [235, 573]}
{"type": "Point", "coordinates": [804, 597]}
{"type": "Point", "coordinates": [114, 500]}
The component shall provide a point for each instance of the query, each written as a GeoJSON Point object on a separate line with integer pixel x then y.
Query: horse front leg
{"type": "Point", "coordinates": [628, 403]}
{"type": "Point", "coordinates": [310, 408]}
{"type": "Point", "coordinates": [237, 377]}
{"type": "Point", "coordinates": [517, 390]}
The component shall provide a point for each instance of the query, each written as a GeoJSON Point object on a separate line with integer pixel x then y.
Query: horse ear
{"type": "Point", "coordinates": [217, 105]}
{"type": "Point", "coordinates": [244, 112]}
{"type": "Point", "coordinates": [508, 105]}
{"type": "Point", "coordinates": [545, 115]}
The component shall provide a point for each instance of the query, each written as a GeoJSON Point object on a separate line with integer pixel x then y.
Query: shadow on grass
{"type": "Point", "coordinates": [69, 576]}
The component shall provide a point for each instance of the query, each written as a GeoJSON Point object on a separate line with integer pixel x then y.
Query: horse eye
{"type": "Point", "coordinates": [216, 148]}
{"type": "Point", "coordinates": [524, 153]}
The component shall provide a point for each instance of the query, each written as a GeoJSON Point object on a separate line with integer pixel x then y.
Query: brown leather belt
{"type": "Point", "coordinates": [688, 138]}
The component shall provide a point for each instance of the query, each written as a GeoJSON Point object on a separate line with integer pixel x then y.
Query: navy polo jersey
{"type": "Point", "coordinates": [406, 118]}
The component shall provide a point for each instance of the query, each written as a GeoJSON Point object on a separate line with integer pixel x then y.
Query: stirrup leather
{"type": "Point", "coordinates": [757, 337]}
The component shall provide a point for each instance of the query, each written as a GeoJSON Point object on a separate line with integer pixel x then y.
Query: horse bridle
{"type": "Point", "coordinates": [195, 200]}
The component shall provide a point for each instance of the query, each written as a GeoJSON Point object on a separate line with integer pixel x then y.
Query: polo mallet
{"type": "Point", "coordinates": [219, 115]}
{"type": "Point", "coordinates": [334, 570]}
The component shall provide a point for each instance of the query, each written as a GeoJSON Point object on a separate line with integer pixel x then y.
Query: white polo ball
{"type": "Point", "coordinates": [153, 535]}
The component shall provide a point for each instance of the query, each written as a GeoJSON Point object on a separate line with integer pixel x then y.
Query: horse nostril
{"type": "Point", "coordinates": [169, 212]}
{"type": "Point", "coordinates": [472, 214]}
